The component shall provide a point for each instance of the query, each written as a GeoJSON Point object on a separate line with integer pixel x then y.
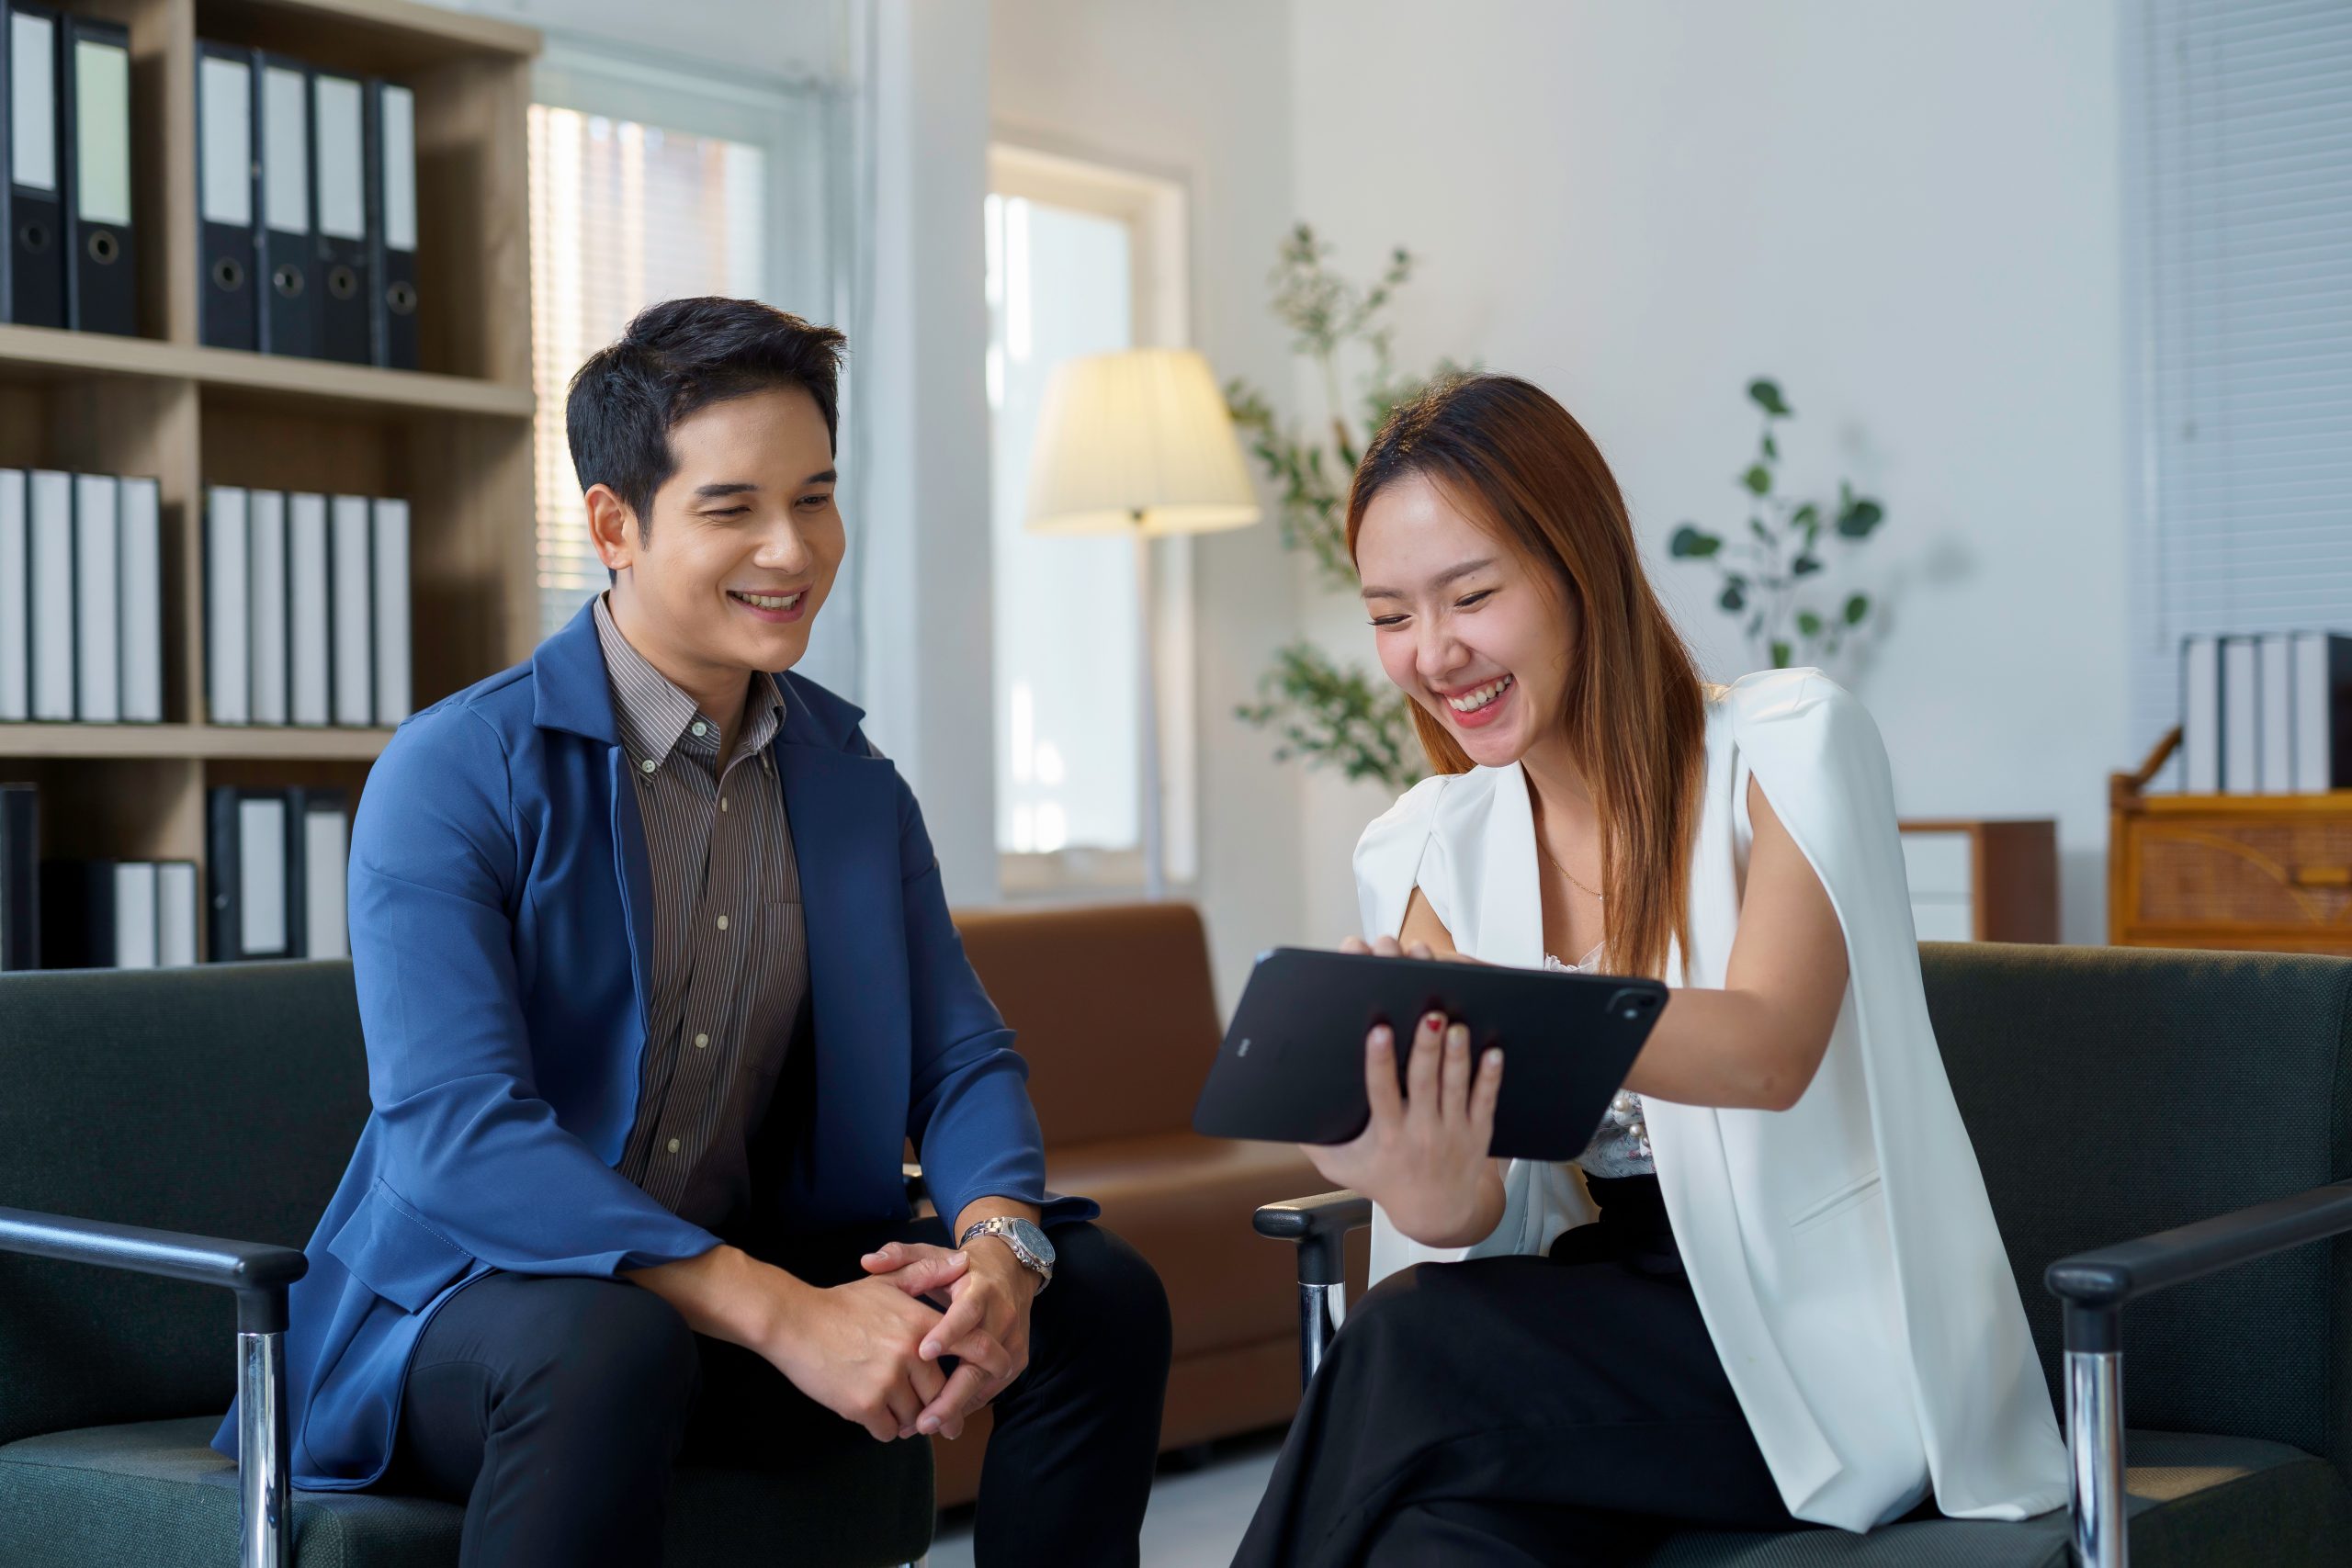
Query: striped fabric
{"type": "Point", "coordinates": [730, 952]}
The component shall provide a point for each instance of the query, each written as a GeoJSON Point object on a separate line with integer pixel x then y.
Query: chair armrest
{"type": "Point", "coordinates": [2097, 1284]}
{"type": "Point", "coordinates": [1319, 1226]}
{"type": "Point", "coordinates": [258, 1271]}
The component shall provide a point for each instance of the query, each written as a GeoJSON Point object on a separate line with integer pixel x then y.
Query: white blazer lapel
{"type": "Point", "coordinates": [1482, 883]}
{"type": "Point", "coordinates": [1508, 896]}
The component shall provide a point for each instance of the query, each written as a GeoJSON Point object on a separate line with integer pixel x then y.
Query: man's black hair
{"type": "Point", "coordinates": [676, 358]}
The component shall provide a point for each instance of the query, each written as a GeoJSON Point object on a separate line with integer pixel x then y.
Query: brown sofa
{"type": "Point", "coordinates": [1114, 1011]}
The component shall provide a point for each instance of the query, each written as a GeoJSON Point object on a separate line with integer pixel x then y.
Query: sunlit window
{"type": "Point", "coordinates": [1080, 260]}
{"type": "Point", "coordinates": [1065, 617]}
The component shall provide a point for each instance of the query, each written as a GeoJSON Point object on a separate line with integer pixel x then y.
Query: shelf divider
{"type": "Point", "coordinates": [49, 353]}
{"type": "Point", "coordinates": [208, 742]}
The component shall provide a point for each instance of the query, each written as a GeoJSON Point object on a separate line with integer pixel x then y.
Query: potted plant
{"type": "Point", "coordinates": [1328, 714]}
{"type": "Point", "coordinates": [1767, 572]}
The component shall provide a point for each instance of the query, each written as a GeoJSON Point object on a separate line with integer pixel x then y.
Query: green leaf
{"type": "Point", "coordinates": [1755, 623]}
{"type": "Point", "coordinates": [1807, 516]}
{"type": "Point", "coordinates": [1756, 526]}
{"type": "Point", "coordinates": [1758, 478]}
{"type": "Point", "coordinates": [1335, 716]}
{"type": "Point", "coordinates": [1772, 447]}
{"type": "Point", "coordinates": [1781, 653]}
{"type": "Point", "coordinates": [1733, 599]}
{"type": "Point", "coordinates": [1803, 565]}
{"type": "Point", "coordinates": [1856, 608]}
{"type": "Point", "coordinates": [1689, 543]}
{"type": "Point", "coordinates": [1860, 517]}
{"type": "Point", "coordinates": [1766, 395]}
{"type": "Point", "coordinates": [1808, 623]}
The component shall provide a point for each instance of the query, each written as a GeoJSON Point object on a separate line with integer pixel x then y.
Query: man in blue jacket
{"type": "Point", "coordinates": [656, 977]}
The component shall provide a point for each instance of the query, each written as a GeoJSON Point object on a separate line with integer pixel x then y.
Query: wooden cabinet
{"type": "Point", "coordinates": [1983, 880]}
{"type": "Point", "coordinates": [2268, 871]}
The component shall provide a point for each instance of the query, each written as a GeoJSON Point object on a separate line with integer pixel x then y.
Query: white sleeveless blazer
{"type": "Point", "coordinates": [1842, 1252]}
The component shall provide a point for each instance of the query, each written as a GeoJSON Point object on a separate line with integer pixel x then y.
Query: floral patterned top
{"type": "Point", "coordinates": [1620, 1144]}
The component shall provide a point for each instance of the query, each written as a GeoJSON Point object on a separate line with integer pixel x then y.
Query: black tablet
{"type": "Point", "coordinates": [1291, 1069]}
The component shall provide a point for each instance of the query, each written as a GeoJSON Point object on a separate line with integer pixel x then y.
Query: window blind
{"type": "Point", "coordinates": [2239, 208]}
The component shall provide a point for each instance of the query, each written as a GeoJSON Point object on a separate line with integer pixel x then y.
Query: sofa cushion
{"type": "Point", "coordinates": [1111, 1005]}
{"type": "Point", "coordinates": [2196, 1501]}
{"type": "Point", "coordinates": [151, 1494]}
{"type": "Point", "coordinates": [1184, 1202]}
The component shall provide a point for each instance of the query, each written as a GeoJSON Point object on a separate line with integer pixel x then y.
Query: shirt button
{"type": "Point", "coordinates": [648, 765]}
{"type": "Point", "coordinates": [700, 726]}
{"type": "Point", "coordinates": [722, 922]}
{"type": "Point", "coordinates": [722, 803]}
{"type": "Point", "coordinates": [674, 1145]}
{"type": "Point", "coordinates": [701, 1040]}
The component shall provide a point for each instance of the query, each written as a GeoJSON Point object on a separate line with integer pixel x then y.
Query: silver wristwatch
{"type": "Point", "coordinates": [1030, 1247]}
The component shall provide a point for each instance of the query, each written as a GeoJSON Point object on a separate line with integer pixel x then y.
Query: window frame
{"type": "Point", "coordinates": [594, 78]}
{"type": "Point", "coordinates": [774, 113]}
{"type": "Point", "coordinates": [1155, 209]}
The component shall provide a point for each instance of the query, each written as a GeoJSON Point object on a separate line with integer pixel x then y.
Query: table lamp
{"type": "Point", "coordinates": [1138, 442]}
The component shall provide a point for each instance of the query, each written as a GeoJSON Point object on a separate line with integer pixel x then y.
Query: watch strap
{"type": "Point", "coordinates": [1002, 1229]}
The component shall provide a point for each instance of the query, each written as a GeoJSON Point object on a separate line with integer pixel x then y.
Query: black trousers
{"type": "Point", "coordinates": [554, 1409]}
{"type": "Point", "coordinates": [1522, 1411]}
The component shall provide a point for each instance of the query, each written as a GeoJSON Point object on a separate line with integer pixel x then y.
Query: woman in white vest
{"type": "Point", "coordinates": [1792, 1305]}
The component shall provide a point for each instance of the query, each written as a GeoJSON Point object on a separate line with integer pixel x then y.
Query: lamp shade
{"type": "Point", "coordinates": [1136, 441]}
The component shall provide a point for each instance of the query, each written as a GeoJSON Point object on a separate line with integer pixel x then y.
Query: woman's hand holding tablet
{"type": "Point", "coordinates": [1386, 1067]}
{"type": "Point", "coordinates": [1423, 1156]}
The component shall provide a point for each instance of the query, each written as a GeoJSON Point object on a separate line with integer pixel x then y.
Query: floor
{"type": "Point", "coordinates": [1197, 1513]}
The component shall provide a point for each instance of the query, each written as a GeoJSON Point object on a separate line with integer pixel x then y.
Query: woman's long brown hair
{"type": "Point", "coordinates": [1635, 718]}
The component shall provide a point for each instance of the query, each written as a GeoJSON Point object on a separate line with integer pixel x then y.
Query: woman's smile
{"type": "Point", "coordinates": [1475, 707]}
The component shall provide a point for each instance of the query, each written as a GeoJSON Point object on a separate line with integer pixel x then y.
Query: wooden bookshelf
{"type": "Point", "coordinates": [454, 437]}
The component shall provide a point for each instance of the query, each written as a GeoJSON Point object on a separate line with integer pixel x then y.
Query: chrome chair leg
{"type": "Point", "coordinates": [1315, 1327]}
{"type": "Point", "coordinates": [1321, 1226]}
{"type": "Point", "coordinates": [266, 1535]}
{"type": "Point", "coordinates": [2099, 1509]}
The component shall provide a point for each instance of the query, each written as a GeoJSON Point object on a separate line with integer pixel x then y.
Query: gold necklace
{"type": "Point", "coordinates": [1571, 875]}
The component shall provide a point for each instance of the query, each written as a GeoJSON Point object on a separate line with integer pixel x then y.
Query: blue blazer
{"type": "Point", "coordinates": [501, 933]}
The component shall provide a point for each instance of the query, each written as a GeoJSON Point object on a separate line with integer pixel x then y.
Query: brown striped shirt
{"type": "Point", "coordinates": [730, 954]}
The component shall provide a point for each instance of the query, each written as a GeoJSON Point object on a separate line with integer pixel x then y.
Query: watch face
{"type": "Point", "coordinates": [1030, 1236]}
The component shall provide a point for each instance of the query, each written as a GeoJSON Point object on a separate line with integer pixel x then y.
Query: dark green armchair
{"type": "Point", "coordinates": [2168, 1132]}
{"type": "Point", "coordinates": [221, 1102]}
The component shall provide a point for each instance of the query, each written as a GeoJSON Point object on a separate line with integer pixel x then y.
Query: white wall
{"type": "Point", "coordinates": [1907, 213]}
{"type": "Point", "coordinates": [1201, 92]}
